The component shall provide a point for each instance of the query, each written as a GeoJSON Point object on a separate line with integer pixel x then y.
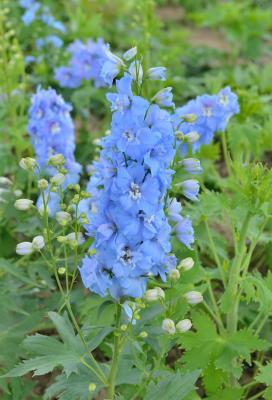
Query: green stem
{"type": "Point", "coordinates": [226, 152]}
{"type": "Point", "coordinates": [116, 351]}
{"type": "Point", "coordinates": [232, 316]}
{"type": "Point", "coordinates": [216, 308]}
{"type": "Point", "coordinates": [214, 252]}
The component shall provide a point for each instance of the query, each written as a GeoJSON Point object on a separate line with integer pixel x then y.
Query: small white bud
{"type": "Point", "coordinates": [23, 204]}
{"type": "Point", "coordinates": [193, 297]}
{"type": "Point", "coordinates": [61, 271]}
{"type": "Point", "coordinates": [71, 237]}
{"type": "Point", "coordinates": [174, 275]}
{"type": "Point", "coordinates": [58, 179]}
{"type": "Point", "coordinates": [191, 118]}
{"type": "Point", "coordinates": [24, 248]}
{"type": "Point", "coordinates": [186, 264]}
{"type": "Point", "coordinates": [129, 54]}
{"type": "Point", "coordinates": [168, 326]}
{"type": "Point", "coordinates": [42, 210]}
{"type": "Point", "coordinates": [154, 294]}
{"type": "Point", "coordinates": [28, 163]}
{"type": "Point", "coordinates": [43, 184]}
{"type": "Point", "coordinates": [5, 181]}
{"type": "Point", "coordinates": [56, 160]}
{"type": "Point", "coordinates": [92, 387]}
{"type": "Point", "coordinates": [184, 325]}
{"type": "Point", "coordinates": [191, 137]}
{"type": "Point", "coordinates": [18, 192]}
{"type": "Point", "coordinates": [38, 242]}
{"type": "Point", "coordinates": [63, 217]}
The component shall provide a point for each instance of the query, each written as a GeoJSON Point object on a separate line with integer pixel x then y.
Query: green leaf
{"type": "Point", "coordinates": [227, 394]}
{"type": "Point", "coordinates": [265, 374]}
{"type": "Point", "coordinates": [200, 346]}
{"type": "Point", "coordinates": [51, 353]}
{"type": "Point", "coordinates": [174, 386]}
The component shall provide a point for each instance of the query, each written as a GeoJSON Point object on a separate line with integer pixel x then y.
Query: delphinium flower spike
{"type": "Point", "coordinates": [52, 135]}
{"type": "Point", "coordinates": [86, 63]}
{"type": "Point", "coordinates": [204, 116]}
{"type": "Point", "coordinates": [129, 189]}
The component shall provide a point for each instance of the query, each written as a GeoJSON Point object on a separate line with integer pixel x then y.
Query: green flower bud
{"type": "Point", "coordinates": [43, 184]}
{"type": "Point", "coordinates": [56, 160]}
{"type": "Point", "coordinates": [28, 163]}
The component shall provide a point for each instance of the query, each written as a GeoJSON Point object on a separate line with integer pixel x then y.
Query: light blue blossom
{"type": "Point", "coordinates": [164, 97]}
{"type": "Point", "coordinates": [157, 74]}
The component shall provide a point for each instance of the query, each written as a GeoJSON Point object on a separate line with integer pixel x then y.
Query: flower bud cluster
{"type": "Point", "coordinates": [169, 326]}
{"type": "Point", "coordinates": [203, 116]}
{"type": "Point", "coordinates": [27, 248]}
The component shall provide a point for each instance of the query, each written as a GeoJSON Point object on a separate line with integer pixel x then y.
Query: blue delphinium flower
{"type": "Point", "coordinates": [52, 132]}
{"type": "Point", "coordinates": [86, 63]}
{"type": "Point", "coordinates": [129, 185]}
{"type": "Point", "coordinates": [205, 115]}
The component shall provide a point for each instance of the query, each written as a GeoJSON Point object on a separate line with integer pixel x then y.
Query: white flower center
{"type": "Point", "coordinates": [207, 111]}
{"type": "Point", "coordinates": [135, 192]}
{"type": "Point", "coordinates": [126, 256]}
{"type": "Point", "coordinates": [55, 128]}
{"type": "Point", "coordinates": [128, 135]}
{"type": "Point", "coordinates": [224, 99]}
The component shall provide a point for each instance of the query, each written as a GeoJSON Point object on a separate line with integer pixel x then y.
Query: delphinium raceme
{"type": "Point", "coordinates": [131, 215]}
{"type": "Point", "coordinates": [202, 117]}
{"type": "Point", "coordinates": [86, 63]}
{"type": "Point", "coordinates": [51, 131]}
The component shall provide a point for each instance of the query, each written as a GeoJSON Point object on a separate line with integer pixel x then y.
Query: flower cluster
{"type": "Point", "coordinates": [51, 131]}
{"type": "Point", "coordinates": [35, 11]}
{"type": "Point", "coordinates": [129, 186]}
{"type": "Point", "coordinates": [85, 64]}
{"type": "Point", "coordinates": [204, 116]}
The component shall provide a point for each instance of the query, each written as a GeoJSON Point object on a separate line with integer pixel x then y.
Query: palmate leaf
{"type": "Point", "coordinates": [50, 352]}
{"type": "Point", "coordinates": [74, 387]}
{"type": "Point", "coordinates": [227, 394]}
{"type": "Point", "coordinates": [173, 386]}
{"type": "Point", "coordinates": [205, 346]}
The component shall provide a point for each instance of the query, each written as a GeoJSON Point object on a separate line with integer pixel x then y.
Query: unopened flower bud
{"type": "Point", "coordinates": [85, 195]}
{"type": "Point", "coordinates": [92, 387]}
{"type": "Point", "coordinates": [129, 54]}
{"type": "Point", "coordinates": [38, 243]}
{"type": "Point", "coordinates": [186, 264]}
{"type": "Point", "coordinates": [164, 97]}
{"type": "Point", "coordinates": [62, 239]}
{"type": "Point", "coordinates": [154, 294]}
{"type": "Point", "coordinates": [174, 275]}
{"type": "Point", "coordinates": [23, 204]}
{"type": "Point", "coordinates": [193, 297]}
{"type": "Point", "coordinates": [179, 135]}
{"type": "Point", "coordinates": [168, 326]}
{"type": "Point", "coordinates": [43, 210]}
{"type": "Point", "coordinates": [76, 199]}
{"type": "Point", "coordinates": [58, 179]}
{"type": "Point", "coordinates": [28, 163]}
{"type": "Point", "coordinates": [24, 248]}
{"type": "Point", "coordinates": [71, 237]}
{"type": "Point", "coordinates": [191, 137]}
{"type": "Point", "coordinates": [18, 192]}
{"type": "Point", "coordinates": [184, 325]}
{"type": "Point", "coordinates": [63, 218]}
{"type": "Point", "coordinates": [43, 184]}
{"type": "Point", "coordinates": [91, 251]}
{"type": "Point", "coordinates": [143, 334]}
{"type": "Point", "coordinates": [5, 181]}
{"type": "Point", "coordinates": [56, 160]}
{"type": "Point", "coordinates": [61, 271]}
{"type": "Point", "coordinates": [156, 74]}
{"type": "Point", "coordinates": [191, 118]}
{"type": "Point", "coordinates": [191, 165]}
{"type": "Point", "coordinates": [123, 327]}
